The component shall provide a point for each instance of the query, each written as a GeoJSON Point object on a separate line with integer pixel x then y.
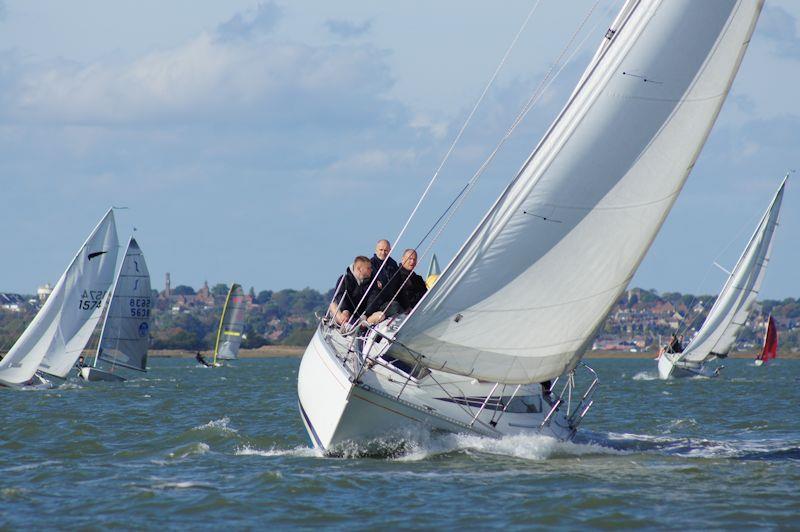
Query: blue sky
{"type": "Point", "coordinates": [270, 142]}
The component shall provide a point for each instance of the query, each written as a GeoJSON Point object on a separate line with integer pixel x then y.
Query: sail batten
{"type": "Point", "coordinates": [524, 296]}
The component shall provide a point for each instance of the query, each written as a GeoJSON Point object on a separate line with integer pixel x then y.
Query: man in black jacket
{"type": "Point", "coordinates": [411, 286]}
{"type": "Point", "coordinates": [382, 250]}
{"type": "Point", "coordinates": [352, 297]}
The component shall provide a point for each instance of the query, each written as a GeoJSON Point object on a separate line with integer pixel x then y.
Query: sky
{"type": "Point", "coordinates": [269, 142]}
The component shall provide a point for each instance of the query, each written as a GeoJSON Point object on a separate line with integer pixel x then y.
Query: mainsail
{"type": "Point", "coordinates": [523, 298]}
{"type": "Point", "coordinates": [231, 325]}
{"type": "Point", "coordinates": [770, 348]}
{"type": "Point", "coordinates": [126, 329]}
{"type": "Point", "coordinates": [59, 332]}
{"type": "Point", "coordinates": [727, 317]}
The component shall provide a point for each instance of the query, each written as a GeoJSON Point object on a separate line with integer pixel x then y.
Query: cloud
{"type": "Point", "coordinates": [779, 26]}
{"type": "Point", "coordinates": [261, 20]}
{"type": "Point", "coordinates": [347, 29]}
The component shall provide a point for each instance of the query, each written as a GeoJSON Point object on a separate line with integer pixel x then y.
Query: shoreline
{"type": "Point", "coordinates": [277, 351]}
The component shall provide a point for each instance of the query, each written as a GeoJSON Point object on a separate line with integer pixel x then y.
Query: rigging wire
{"type": "Point", "coordinates": [455, 141]}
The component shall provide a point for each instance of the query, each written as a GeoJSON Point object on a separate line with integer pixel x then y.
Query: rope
{"type": "Point", "coordinates": [455, 142]}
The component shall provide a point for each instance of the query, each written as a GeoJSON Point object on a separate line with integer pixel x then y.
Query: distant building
{"type": "Point", "coordinates": [43, 292]}
{"type": "Point", "coordinates": [12, 302]}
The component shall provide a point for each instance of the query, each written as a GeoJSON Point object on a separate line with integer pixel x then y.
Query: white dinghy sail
{"type": "Point", "coordinates": [125, 334]}
{"type": "Point", "coordinates": [523, 298]}
{"type": "Point", "coordinates": [58, 334]}
{"type": "Point", "coordinates": [231, 325]}
{"type": "Point", "coordinates": [735, 301]}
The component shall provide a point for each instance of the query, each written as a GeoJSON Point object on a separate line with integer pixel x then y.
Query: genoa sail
{"type": "Point", "coordinates": [525, 295]}
{"type": "Point", "coordinates": [736, 299]}
{"type": "Point", "coordinates": [231, 325]}
{"type": "Point", "coordinates": [770, 349]}
{"type": "Point", "coordinates": [126, 330]}
{"type": "Point", "coordinates": [58, 334]}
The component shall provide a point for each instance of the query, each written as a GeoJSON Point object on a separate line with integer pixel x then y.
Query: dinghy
{"type": "Point", "coordinates": [231, 326]}
{"type": "Point", "coordinates": [522, 300]}
{"type": "Point", "coordinates": [735, 301]}
{"type": "Point", "coordinates": [125, 334]}
{"type": "Point", "coordinates": [769, 350]}
{"type": "Point", "coordinates": [55, 338]}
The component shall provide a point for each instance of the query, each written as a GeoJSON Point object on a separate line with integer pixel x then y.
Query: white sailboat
{"type": "Point", "coordinates": [55, 338]}
{"type": "Point", "coordinates": [735, 301]}
{"type": "Point", "coordinates": [125, 333]}
{"type": "Point", "coordinates": [523, 299]}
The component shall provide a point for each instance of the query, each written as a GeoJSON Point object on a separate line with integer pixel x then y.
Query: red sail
{"type": "Point", "coordinates": [770, 349]}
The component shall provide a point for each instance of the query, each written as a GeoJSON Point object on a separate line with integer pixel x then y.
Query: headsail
{"type": "Point", "coordinates": [231, 325]}
{"type": "Point", "coordinates": [523, 298]}
{"type": "Point", "coordinates": [770, 348]}
{"type": "Point", "coordinates": [59, 332]}
{"type": "Point", "coordinates": [126, 329]}
{"type": "Point", "coordinates": [727, 317]}
{"type": "Point", "coordinates": [433, 272]}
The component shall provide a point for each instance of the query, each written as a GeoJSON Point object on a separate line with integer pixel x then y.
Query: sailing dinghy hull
{"type": "Point", "coordinates": [377, 411]}
{"type": "Point", "coordinates": [97, 375]}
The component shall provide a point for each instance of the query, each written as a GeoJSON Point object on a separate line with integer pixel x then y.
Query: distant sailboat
{"type": "Point", "coordinates": [55, 338]}
{"type": "Point", "coordinates": [729, 313]}
{"type": "Point", "coordinates": [769, 350]}
{"type": "Point", "coordinates": [522, 300]}
{"type": "Point", "coordinates": [125, 334]}
{"type": "Point", "coordinates": [433, 272]}
{"type": "Point", "coordinates": [231, 326]}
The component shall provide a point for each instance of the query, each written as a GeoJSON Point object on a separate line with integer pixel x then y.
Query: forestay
{"type": "Point", "coordinates": [735, 301]}
{"type": "Point", "coordinates": [126, 330]}
{"type": "Point", "coordinates": [523, 298]}
{"type": "Point", "coordinates": [59, 332]}
{"type": "Point", "coordinates": [231, 325]}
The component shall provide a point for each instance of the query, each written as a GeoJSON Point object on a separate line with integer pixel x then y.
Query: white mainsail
{"type": "Point", "coordinates": [126, 330]}
{"type": "Point", "coordinates": [735, 301]}
{"type": "Point", "coordinates": [523, 298]}
{"type": "Point", "coordinates": [59, 332]}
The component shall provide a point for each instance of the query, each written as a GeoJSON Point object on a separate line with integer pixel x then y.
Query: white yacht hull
{"type": "Point", "coordinates": [382, 407]}
{"type": "Point", "coordinates": [95, 375]}
{"type": "Point", "coordinates": [669, 368]}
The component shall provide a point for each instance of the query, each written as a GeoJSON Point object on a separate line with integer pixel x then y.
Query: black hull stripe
{"type": "Point", "coordinates": [308, 422]}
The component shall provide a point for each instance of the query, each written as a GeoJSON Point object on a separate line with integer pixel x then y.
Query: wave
{"type": "Point", "coordinates": [645, 376]}
{"type": "Point", "coordinates": [194, 449]}
{"type": "Point", "coordinates": [221, 425]}
{"type": "Point", "coordinates": [300, 451]}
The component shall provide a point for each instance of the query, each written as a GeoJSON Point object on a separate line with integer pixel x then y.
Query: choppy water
{"type": "Point", "coordinates": [186, 446]}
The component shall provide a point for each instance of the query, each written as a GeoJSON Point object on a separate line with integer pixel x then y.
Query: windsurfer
{"type": "Point", "coordinates": [201, 359]}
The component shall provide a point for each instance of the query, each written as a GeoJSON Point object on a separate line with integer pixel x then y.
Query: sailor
{"type": "Point", "coordinates": [201, 360]}
{"type": "Point", "coordinates": [382, 250]}
{"type": "Point", "coordinates": [407, 285]}
{"type": "Point", "coordinates": [675, 344]}
{"type": "Point", "coordinates": [81, 362]}
{"type": "Point", "coordinates": [352, 298]}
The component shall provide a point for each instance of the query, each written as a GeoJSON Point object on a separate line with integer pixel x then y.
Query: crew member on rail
{"type": "Point", "coordinates": [354, 296]}
{"type": "Point", "coordinates": [382, 250]}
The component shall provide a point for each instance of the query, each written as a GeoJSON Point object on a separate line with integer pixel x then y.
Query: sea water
{"type": "Point", "coordinates": [188, 446]}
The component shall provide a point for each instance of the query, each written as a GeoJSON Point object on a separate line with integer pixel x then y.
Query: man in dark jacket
{"type": "Point", "coordinates": [382, 250]}
{"type": "Point", "coordinates": [411, 286]}
{"type": "Point", "coordinates": [351, 288]}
